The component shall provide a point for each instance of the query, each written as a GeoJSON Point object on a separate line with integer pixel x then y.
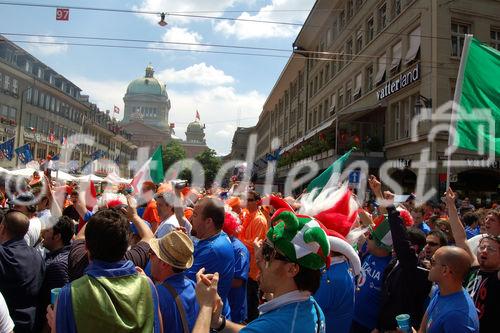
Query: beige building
{"type": "Point", "coordinates": [41, 107]}
{"type": "Point", "coordinates": [360, 72]}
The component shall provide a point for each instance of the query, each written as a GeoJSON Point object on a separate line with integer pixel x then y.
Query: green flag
{"type": "Point", "coordinates": [333, 170]}
{"type": "Point", "coordinates": [478, 94]}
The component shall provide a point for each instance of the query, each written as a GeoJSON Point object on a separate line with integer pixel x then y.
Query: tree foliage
{"type": "Point", "coordinates": [172, 152]}
{"type": "Point", "coordinates": [211, 164]}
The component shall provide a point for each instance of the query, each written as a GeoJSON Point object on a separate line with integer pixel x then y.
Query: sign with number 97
{"type": "Point", "coordinates": [62, 14]}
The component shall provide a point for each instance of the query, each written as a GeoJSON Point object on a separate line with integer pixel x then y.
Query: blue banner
{"type": "Point", "coordinates": [98, 154]}
{"type": "Point", "coordinates": [7, 149]}
{"type": "Point", "coordinates": [24, 154]}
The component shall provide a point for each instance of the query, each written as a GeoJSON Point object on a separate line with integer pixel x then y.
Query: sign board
{"type": "Point", "coordinates": [354, 177]}
{"type": "Point", "coordinates": [62, 14]}
{"type": "Point", "coordinates": [398, 83]}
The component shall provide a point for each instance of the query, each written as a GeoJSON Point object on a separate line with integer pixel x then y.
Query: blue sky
{"type": "Point", "coordinates": [221, 87]}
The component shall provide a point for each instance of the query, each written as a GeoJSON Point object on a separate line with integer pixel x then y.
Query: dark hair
{"type": "Point", "coordinates": [307, 279]}
{"type": "Point", "coordinates": [16, 223]}
{"type": "Point", "coordinates": [417, 237]}
{"type": "Point", "coordinates": [106, 235]}
{"type": "Point", "coordinates": [255, 194]}
{"type": "Point", "coordinates": [65, 228]}
{"type": "Point", "coordinates": [490, 237]}
{"type": "Point", "coordinates": [214, 209]}
{"type": "Point", "coordinates": [470, 218]}
{"type": "Point", "coordinates": [443, 239]}
{"type": "Point", "coordinates": [176, 270]}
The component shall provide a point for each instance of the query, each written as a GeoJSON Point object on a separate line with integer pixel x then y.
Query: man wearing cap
{"type": "Point", "coordinates": [170, 256]}
{"type": "Point", "coordinates": [290, 259]}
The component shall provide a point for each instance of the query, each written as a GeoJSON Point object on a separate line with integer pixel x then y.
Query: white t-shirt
{"type": "Point", "coordinates": [474, 243]}
{"type": "Point", "coordinates": [6, 323]}
{"type": "Point", "coordinates": [169, 225]}
{"type": "Point", "coordinates": [34, 230]}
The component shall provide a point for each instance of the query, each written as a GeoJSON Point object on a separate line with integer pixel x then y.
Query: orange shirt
{"type": "Point", "coordinates": [151, 215]}
{"type": "Point", "coordinates": [254, 226]}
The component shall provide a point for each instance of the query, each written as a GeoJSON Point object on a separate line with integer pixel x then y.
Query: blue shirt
{"type": "Point", "coordinates": [170, 314]}
{"type": "Point", "coordinates": [335, 296]}
{"type": "Point", "coordinates": [472, 232]}
{"type": "Point", "coordinates": [216, 254]}
{"type": "Point", "coordinates": [368, 297]}
{"type": "Point", "coordinates": [424, 227]}
{"type": "Point", "coordinates": [238, 296]}
{"type": "Point", "coordinates": [452, 313]}
{"type": "Point", "coordinates": [296, 317]}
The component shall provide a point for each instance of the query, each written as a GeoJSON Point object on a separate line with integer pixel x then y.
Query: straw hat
{"type": "Point", "coordinates": [175, 248]}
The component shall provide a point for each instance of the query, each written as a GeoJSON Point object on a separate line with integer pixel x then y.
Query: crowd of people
{"type": "Point", "coordinates": [170, 258]}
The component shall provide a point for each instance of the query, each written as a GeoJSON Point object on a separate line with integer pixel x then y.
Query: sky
{"type": "Point", "coordinates": [227, 90]}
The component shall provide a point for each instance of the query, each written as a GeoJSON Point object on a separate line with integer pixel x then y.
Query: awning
{"type": "Point", "coordinates": [396, 56]}
{"type": "Point", "coordinates": [414, 46]}
{"type": "Point", "coordinates": [381, 70]}
{"type": "Point", "coordinates": [309, 135]}
{"type": "Point", "coordinates": [360, 112]}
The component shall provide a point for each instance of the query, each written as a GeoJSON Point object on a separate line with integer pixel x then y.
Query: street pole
{"type": "Point", "coordinates": [17, 142]}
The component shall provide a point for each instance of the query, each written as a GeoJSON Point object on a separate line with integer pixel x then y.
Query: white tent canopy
{"type": "Point", "coordinates": [61, 175]}
{"type": "Point", "coordinates": [92, 177]}
{"type": "Point", "coordinates": [26, 172]}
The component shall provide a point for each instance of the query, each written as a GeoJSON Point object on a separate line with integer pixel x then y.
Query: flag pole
{"type": "Point", "coordinates": [456, 101]}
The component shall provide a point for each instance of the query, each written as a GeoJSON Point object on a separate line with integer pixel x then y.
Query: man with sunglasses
{"type": "Point", "coordinates": [290, 260]}
{"type": "Point", "coordinates": [451, 309]}
{"type": "Point", "coordinates": [254, 226]}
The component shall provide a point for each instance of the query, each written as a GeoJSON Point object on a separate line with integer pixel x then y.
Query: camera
{"type": "Point", "coordinates": [179, 184]}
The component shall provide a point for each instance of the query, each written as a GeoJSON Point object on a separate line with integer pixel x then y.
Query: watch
{"type": "Point", "coordinates": [222, 325]}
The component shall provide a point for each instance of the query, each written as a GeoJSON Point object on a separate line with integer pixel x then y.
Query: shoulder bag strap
{"type": "Point", "coordinates": [180, 307]}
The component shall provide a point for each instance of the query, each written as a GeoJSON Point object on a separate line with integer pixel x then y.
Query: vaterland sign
{"type": "Point", "coordinates": [399, 82]}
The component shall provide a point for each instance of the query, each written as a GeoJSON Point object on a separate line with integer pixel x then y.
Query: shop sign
{"type": "Point", "coordinates": [484, 163]}
{"type": "Point", "coordinates": [401, 163]}
{"type": "Point", "coordinates": [405, 79]}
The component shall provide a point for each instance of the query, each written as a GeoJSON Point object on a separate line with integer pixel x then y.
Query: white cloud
{"type": "Point", "coordinates": [200, 74]}
{"type": "Point", "coordinates": [219, 108]}
{"type": "Point", "coordinates": [220, 105]}
{"type": "Point", "coordinates": [293, 11]}
{"type": "Point", "coordinates": [37, 45]}
{"type": "Point", "coordinates": [181, 36]}
{"type": "Point", "coordinates": [199, 7]}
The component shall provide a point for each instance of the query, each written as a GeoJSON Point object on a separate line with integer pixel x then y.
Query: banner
{"type": "Point", "coordinates": [24, 153]}
{"type": "Point", "coordinates": [7, 149]}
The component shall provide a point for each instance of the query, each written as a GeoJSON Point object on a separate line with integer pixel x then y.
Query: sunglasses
{"type": "Point", "coordinates": [251, 199]}
{"type": "Point", "coordinates": [269, 253]}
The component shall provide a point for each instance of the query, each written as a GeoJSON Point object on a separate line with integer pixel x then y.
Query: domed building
{"type": "Point", "coordinates": [147, 108]}
{"type": "Point", "coordinates": [147, 100]}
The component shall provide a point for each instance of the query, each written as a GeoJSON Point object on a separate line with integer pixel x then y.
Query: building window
{"type": "Point", "coordinates": [458, 32]}
{"type": "Point", "coordinates": [348, 93]}
{"type": "Point", "coordinates": [14, 86]}
{"type": "Point", "coordinates": [495, 39]}
{"type": "Point", "coordinates": [359, 42]}
{"type": "Point", "coordinates": [47, 102]}
{"type": "Point", "coordinates": [341, 20]}
{"type": "Point", "coordinates": [27, 66]}
{"type": "Point", "coordinates": [6, 83]}
{"type": "Point", "coordinates": [41, 100]}
{"type": "Point", "coordinates": [325, 108]}
{"type": "Point", "coordinates": [380, 77]}
{"type": "Point", "coordinates": [1, 80]}
{"type": "Point", "coordinates": [397, 121]}
{"type": "Point", "coordinates": [414, 48]}
{"type": "Point", "coordinates": [357, 86]}
{"type": "Point", "coordinates": [333, 67]}
{"type": "Point", "coordinates": [348, 49]}
{"type": "Point", "coordinates": [52, 104]}
{"type": "Point", "coordinates": [310, 88]}
{"type": "Point", "coordinates": [12, 113]}
{"type": "Point", "coordinates": [369, 30]}
{"type": "Point", "coordinates": [333, 103]}
{"type": "Point", "coordinates": [405, 128]}
{"type": "Point", "coordinates": [397, 7]}
{"type": "Point", "coordinates": [382, 17]}
{"type": "Point", "coordinates": [396, 58]}
{"type": "Point", "coordinates": [350, 9]}
{"type": "Point", "coordinates": [340, 101]}
{"type": "Point", "coordinates": [369, 78]}
{"type": "Point", "coordinates": [29, 95]}
{"type": "Point", "coordinates": [315, 84]}
{"type": "Point", "coordinates": [321, 79]}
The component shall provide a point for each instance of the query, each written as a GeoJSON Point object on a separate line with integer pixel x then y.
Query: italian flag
{"type": "Point", "coordinates": [331, 176]}
{"type": "Point", "coordinates": [477, 121]}
{"type": "Point", "coordinates": [152, 171]}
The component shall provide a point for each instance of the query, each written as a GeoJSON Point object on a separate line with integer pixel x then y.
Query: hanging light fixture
{"type": "Point", "coordinates": [162, 20]}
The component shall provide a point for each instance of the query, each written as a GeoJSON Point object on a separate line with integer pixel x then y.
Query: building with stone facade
{"type": "Point", "coordinates": [146, 117]}
{"type": "Point", "coordinates": [361, 71]}
{"type": "Point", "coordinates": [41, 107]}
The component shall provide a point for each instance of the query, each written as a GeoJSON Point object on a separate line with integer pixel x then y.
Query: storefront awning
{"type": "Point", "coordinates": [312, 133]}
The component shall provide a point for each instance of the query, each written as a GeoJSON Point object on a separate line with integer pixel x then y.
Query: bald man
{"type": "Point", "coordinates": [451, 308]}
{"type": "Point", "coordinates": [21, 271]}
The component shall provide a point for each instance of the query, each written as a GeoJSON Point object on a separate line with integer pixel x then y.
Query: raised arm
{"type": "Point", "coordinates": [457, 227]}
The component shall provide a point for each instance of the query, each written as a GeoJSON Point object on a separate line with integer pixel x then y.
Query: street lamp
{"type": "Point", "coordinates": [162, 22]}
{"type": "Point", "coordinates": [422, 102]}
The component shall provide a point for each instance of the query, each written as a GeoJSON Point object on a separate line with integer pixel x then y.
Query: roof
{"type": "Point", "coordinates": [148, 86]}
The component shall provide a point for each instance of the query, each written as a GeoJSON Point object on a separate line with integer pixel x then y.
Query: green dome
{"type": "Point", "coordinates": [147, 85]}
{"type": "Point", "coordinates": [195, 126]}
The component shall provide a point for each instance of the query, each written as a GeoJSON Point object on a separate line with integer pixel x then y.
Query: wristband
{"type": "Point", "coordinates": [223, 325]}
